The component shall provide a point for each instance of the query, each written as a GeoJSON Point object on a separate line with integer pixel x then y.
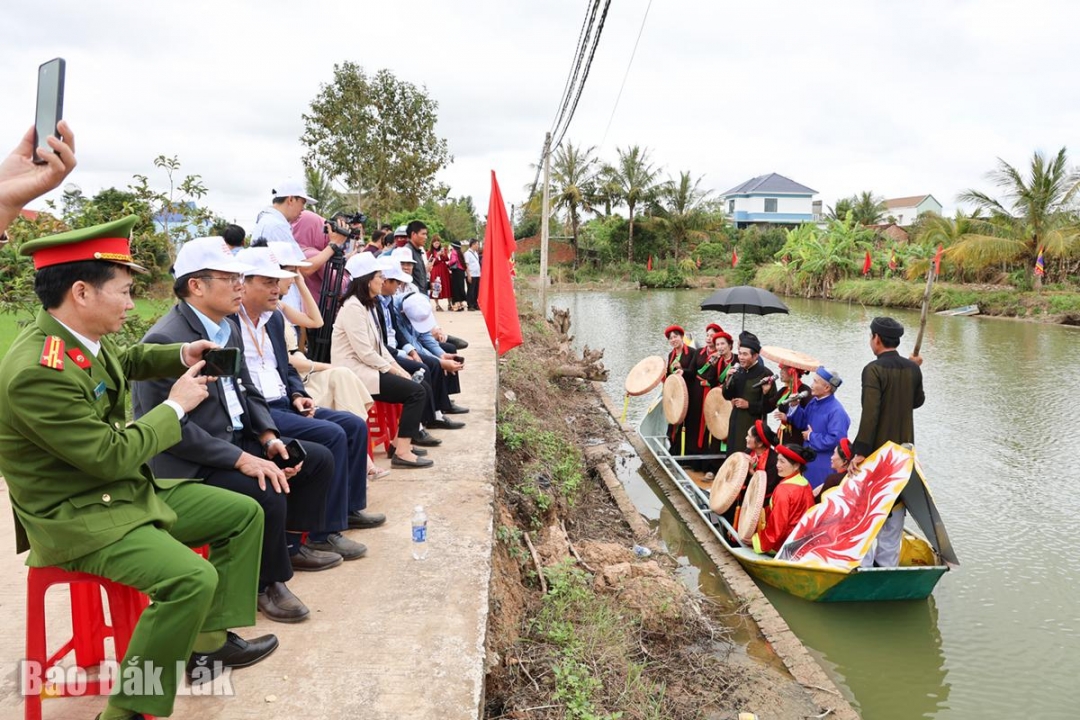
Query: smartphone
{"type": "Point", "coordinates": [222, 362]}
{"type": "Point", "coordinates": [50, 105]}
{"type": "Point", "coordinates": [296, 455]}
{"type": "Point", "coordinates": [460, 359]}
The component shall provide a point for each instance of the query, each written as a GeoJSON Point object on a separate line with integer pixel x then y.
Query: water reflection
{"type": "Point", "coordinates": [999, 638]}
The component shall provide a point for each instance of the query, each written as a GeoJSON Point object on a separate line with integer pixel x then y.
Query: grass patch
{"type": "Point", "coordinates": [146, 313]}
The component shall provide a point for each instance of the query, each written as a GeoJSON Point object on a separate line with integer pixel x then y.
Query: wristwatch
{"type": "Point", "coordinates": [271, 441]}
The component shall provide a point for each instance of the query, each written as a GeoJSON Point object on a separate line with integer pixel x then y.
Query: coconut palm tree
{"type": "Point", "coordinates": [328, 201]}
{"type": "Point", "coordinates": [572, 172]}
{"type": "Point", "coordinates": [682, 208]}
{"type": "Point", "coordinates": [1035, 212]}
{"type": "Point", "coordinates": [867, 208]}
{"type": "Point", "coordinates": [635, 178]}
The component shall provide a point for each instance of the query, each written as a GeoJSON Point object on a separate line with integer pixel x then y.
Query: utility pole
{"type": "Point", "coordinates": [544, 213]}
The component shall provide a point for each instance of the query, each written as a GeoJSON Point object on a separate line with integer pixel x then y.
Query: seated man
{"type": "Point", "coordinates": [295, 413]}
{"type": "Point", "coordinates": [230, 441]}
{"type": "Point", "coordinates": [83, 496]}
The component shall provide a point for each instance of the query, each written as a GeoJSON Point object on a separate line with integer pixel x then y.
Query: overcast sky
{"type": "Point", "coordinates": [901, 98]}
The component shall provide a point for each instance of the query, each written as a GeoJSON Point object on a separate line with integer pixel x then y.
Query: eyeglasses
{"type": "Point", "coordinates": [235, 279]}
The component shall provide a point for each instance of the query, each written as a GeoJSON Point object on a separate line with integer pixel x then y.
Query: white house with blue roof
{"type": "Point", "coordinates": [770, 198]}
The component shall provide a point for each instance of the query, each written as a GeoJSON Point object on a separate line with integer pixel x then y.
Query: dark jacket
{"type": "Point", "coordinates": [419, 271]}
{"type": "Point", "coordinates": [761, 402]}
{"type": "Point", "coordinates": [207, 431]}
{"type": "Point", "coordinates": [891, 390]}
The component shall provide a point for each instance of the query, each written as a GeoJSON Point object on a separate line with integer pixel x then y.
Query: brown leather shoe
{"type": "Point", "coordinates": [278, 603]}
{"type": "Point", "coordinates": [311, 560]}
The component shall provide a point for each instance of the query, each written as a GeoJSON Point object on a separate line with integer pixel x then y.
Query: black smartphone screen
{"type": "Point", "coordinates": [50, 105]}
{"type": "Point", "coordinates": [296, 455]}
{"type": "Point", "coordinates": [222, 362]}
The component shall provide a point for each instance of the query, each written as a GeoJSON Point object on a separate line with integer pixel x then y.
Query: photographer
{"type": "Point", "coordinates": [320, 240]}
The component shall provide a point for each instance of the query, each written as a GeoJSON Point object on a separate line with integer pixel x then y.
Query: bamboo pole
{"type": "Point", "coordinates": [925, 309]}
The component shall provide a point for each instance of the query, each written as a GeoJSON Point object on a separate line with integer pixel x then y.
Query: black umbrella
{"type": "Point", "coordinates": [744, 299]}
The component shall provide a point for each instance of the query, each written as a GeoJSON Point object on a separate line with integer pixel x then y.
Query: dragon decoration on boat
{"type": "Point", "coordinates": [838, 531]}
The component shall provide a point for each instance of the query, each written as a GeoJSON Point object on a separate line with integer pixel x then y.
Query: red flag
{"type": "Point", "coordinates": [496, 298]}
{"type": "Point", "coordinates": [734, 257]}
{"type": "Point", "coordinates": [892, 260]}
{"type": "Point", "coordinates": [867, 263]}
{"type": "Point", "coordinates": [937, 261]}
{"type": "Point", "coordinates": [648, 265]}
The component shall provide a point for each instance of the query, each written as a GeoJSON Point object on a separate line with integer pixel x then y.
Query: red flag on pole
{"type": "Point", "coordinates": [892, 261]}
{"type": "Point", "coordinates": [937, 261]}
{"type": "Point", "coordinates": [496, 297]}
{"type": "Point", "coordinates": [867, 263]}
{"type": "Point", "coordinates": [734, 257]}
{"type": "Point", "coordinates": [648, 265]}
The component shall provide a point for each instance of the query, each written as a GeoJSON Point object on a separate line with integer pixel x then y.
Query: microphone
{"type": "Point", "coordinates": [764, 380]}
{"type": "Point", "coordinates": [794, 398]}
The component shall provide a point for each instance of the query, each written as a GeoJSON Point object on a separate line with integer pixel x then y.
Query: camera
{"type": "Point", "coordinates": [351, 233]}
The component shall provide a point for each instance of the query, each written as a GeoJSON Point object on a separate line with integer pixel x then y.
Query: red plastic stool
{"type": "Point", "coordinates": [89, 629]}
{"type": "Point", "coordinates": [383, 424]}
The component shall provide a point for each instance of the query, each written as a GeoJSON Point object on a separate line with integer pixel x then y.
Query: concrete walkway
{"type": "Point", "coordinates": [389, 637]}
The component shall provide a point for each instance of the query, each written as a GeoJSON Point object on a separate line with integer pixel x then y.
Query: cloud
{"type": "Point", "coordinates": [897, 98]}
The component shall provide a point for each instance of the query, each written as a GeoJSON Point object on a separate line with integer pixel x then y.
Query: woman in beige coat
{"type": "Point", "coordinates": [357, 344]}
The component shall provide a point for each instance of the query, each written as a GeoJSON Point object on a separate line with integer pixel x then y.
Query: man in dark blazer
{"type": "Point", "coordinates": [230, 440]}
{"type": "Point", "coordinates": [293, 410]}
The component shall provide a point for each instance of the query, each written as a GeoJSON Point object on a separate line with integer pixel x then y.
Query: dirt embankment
{"type": "Point", "coordinates": [580, 626]}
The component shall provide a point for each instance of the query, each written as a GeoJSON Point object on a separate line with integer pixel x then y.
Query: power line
{"type": "Point", "coordinates": [562, 123]}
{"type": "Point", "coordinates": [585, 75]}
{"type": "Point", "coordinates": [626, 74]}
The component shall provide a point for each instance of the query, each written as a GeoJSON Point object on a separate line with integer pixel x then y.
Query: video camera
{"type": "Point", "coordinates": [350, 232]}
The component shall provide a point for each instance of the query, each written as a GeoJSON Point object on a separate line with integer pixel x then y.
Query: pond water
{"type": "Point", "coordinates": [999, 636]}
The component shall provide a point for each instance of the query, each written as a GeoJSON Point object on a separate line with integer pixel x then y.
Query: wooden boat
{"type": "Point", "coordinates": [923, 559]}
{"type": "Point", "coordinates": [961, 311]}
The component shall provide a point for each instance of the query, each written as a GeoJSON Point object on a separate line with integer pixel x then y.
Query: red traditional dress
{"type": "Point", "coordinates": [790, 500]}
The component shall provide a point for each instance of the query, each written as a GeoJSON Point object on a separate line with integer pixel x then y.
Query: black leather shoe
{"type": "Point", "coordinates": [419, 462]}
{"type": "Point", "coordinates": [459, 343]}
{"type": "Point", "coordinates": [426, 439]}
{"type": "Point", "coordinates": [343, 546]}
{"type": "Point", "coordinates": [311, 560]}
{"type": "Point", "coordinates": [416, 451]}
{"type": "Point", "coordinates": [455, 410]}
{"type": "Point", "coordinates": [361, 520]}
{"type": "Point", "coordinates": [445, 424]}
{"type": "Point", "coordinates": [235, 653]}
{"type": "Point", "coordinates": [278, 603]}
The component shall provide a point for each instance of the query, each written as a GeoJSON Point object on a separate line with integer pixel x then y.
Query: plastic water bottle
{"type": "Point", "coordinates": [419, 533]}
{"type": "Point", "coordinates": [436, 288]}
{"type": "Point", "coordinates": [418, 376]}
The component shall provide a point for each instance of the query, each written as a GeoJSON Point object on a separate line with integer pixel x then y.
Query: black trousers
{"type": "Point", "coordinates": [457, 285]}
{"type": "Point", "coordinates": [474, 292]}
{"type": "Point", "coordinates": [411, 395]}
{"type": "Point", "coordinates": [301, 510]}
{"type": "Point", "coordinates": [440, 384]}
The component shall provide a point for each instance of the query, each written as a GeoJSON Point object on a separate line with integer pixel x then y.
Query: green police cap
{"type": "Point", "coordinates": [109, 241]}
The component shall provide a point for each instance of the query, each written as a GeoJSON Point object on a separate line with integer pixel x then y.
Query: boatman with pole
{"type": "Point", "coordinates": [892, 388]}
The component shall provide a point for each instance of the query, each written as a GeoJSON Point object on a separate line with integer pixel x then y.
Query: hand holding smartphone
{"type": "Point", "coordinates": [50, 105]}
{"type": "Point", "coordinates": [221, 362]}
{"type": "Point", "coordinates": [296, 455]}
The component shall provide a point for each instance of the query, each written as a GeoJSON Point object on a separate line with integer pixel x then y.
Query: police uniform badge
{"type": "Point", "coordinates": [52, 355]}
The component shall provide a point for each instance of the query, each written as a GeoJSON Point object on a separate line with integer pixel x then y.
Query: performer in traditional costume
{"type": "Point", "coordinates": [840, 462]}
{"type": "Point", "coordinates": [750, 389]}
{"type": "Point", "coordinates": [711, 376]}
{"type": "Point", "coordinates": [679, 361]}
{"type": "Point", "coordinates": [793, 387]}
{"type": "Point", "coordinates": [760, 444]}
{"type": "Point", "coordinates": [821, 424]}
{"type": "Point", "coordinates": [697, 386]}
{"type": "Point", "coordinates": [790, 500]}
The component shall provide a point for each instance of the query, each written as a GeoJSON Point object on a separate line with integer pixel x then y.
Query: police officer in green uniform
{"type": "Point", "coordinates": [83, 496]}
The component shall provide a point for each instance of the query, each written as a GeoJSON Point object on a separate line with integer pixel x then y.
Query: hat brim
{"type": "Point", "coordinates": [133, 267]}
{"type": "Point", "coordinates": [271, 273]}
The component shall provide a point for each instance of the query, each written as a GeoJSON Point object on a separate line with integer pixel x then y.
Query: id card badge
{"type": "Point", "coordinates": [270, 384]}
{"type": "Point", "coordinates": [232, 400]}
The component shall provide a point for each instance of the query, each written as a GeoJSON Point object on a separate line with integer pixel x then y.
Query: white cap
{"type": "Point", "coordinates": [365, 263]}
{"type": "Point", "coordinates": [289, 253]}
{"type": "Point", "coordinates": [292, 188]}
{"type": "Point", "coordinates": [264, 263]}
{"type": "Point", "coordinates": [401, 231]}
{"type": "Point", "coordinates": [393, 271]}
{"type": "Point", "coordinates": [403, 255]}
{"type": "Point", "coordinates": [208, 253]}
{"type": "Point", "coordinates": [418, 309]}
